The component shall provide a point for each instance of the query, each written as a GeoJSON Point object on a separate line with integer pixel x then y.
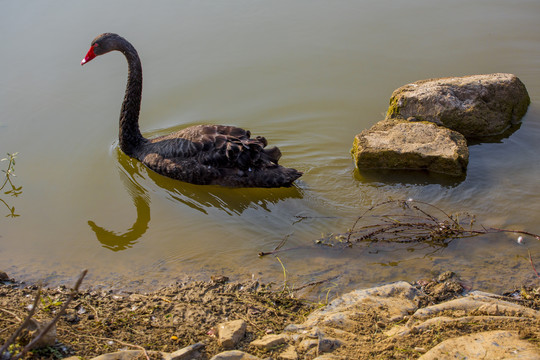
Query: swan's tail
{"type": "Point", "coordinates": [278, 176]}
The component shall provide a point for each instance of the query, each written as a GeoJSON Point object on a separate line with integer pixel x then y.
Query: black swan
{"type": "Point", "coordinates": [201, 154]}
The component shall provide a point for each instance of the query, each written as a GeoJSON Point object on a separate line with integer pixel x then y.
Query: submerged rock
{"type": "Point", "coordinates": [475, 106]}
{"type": "Point", "coordinates": [417, 145]}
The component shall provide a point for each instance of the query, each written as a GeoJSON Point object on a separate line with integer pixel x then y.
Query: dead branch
{"type": "Point", "coordinates": [11, 313]}
{"type": "Point", "coordinates": [95, 338]}
{"type": "Point", "coordinates": [25, 323]}
{"type": "Point", "coordinates": [314, 283]}
{"type": "Point", "coordinates": [47, 328]}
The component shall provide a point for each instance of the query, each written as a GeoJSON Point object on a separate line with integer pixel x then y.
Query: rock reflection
{"type": "Point", "coordinates": [406, 177]}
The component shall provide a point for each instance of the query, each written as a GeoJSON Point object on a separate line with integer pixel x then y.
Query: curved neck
{"type": "Point", "coordinates": [129, 134]}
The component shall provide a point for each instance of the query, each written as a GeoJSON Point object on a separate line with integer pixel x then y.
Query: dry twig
{"type": "Point", "coordinates": [11, 340]}
{"type": "Point", "coordinates": [419, 222]}
{"type": "Point", "coordinates": [46, 329]}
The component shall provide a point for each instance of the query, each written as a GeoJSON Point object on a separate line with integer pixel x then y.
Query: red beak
{"type": "Point", "coordinates": [89, 56]}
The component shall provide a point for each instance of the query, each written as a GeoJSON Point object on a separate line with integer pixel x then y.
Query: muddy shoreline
{"type": "Point", "coordinates": [183, 314]}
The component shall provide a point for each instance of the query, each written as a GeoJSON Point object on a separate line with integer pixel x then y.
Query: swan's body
{"type": "Point", "coordinates": [201, 154]}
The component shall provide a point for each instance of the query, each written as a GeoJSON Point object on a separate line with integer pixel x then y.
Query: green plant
{"type": "Point", "coordinates": [13, 190]}
{"type": "Point", "coordinates": [48, 303]}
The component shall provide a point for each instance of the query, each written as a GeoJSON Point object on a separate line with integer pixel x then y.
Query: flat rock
{"type": "Point", "coordinates": [416, 145]}
{"type": "Point", "coordinates": [475, 106]}
{"type": "Point", "coordinates": [270, 341]}
{"type": "Point", "coordinates": [234, 355]}
{"type": "Point", "coordinates": [129, 355]}
{"type": "Point", "coordinates": [478, 304]}
{"type": "Point", "coordinates": [493, 345]}
{"type": "Point", "coordinates": [394, 301]}
{"type": "Point", "coordinates": [188, 353]}
{"type": "Point", "coordinates": [230, 333]}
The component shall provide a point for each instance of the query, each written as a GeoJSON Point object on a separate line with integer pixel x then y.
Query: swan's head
{"type": "Point", "coordinates": [102, 45]}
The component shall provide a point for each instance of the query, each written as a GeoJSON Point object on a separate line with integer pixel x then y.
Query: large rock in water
{"type": "Point", "coordinates": [475, 106]}
{"type": "Point", "coordinates": [402, 144]}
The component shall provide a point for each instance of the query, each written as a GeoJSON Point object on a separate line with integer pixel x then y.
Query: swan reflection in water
{"type": "Point", "coordinates": [204, 198]}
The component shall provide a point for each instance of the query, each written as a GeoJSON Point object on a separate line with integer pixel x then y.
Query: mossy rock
{"type": "Point", "coordinates": [476, 106]}
{"type": "Point", "coordinates": [401, 144]}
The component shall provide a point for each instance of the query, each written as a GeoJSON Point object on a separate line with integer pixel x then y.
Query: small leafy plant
{"type": "Point", "coordinates": [8, 188]}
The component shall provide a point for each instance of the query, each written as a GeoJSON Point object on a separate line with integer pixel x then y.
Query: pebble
{"type": "Point", "coordinates": [230, 333]}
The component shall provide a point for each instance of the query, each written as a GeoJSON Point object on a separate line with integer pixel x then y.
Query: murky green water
{"type": "Point", "coordinates": [308, 75]}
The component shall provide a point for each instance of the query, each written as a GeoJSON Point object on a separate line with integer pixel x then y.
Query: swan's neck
{"type": "Point", "coordinates": [129, 134]}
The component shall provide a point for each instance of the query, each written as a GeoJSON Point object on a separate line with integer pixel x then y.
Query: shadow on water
{"type": "Point", "coordinates": [232, 201]}
{"type": "Point", "coordinates": [496, 138]}
{"type": "Point", "coordinates": [203, 198]}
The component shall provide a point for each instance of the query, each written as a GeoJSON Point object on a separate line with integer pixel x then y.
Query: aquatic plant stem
{"type": "Point", "coordinates": [532, 264]}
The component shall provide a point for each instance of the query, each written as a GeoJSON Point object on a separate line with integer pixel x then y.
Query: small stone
{"type": "Point", "coordinates": [307, 344]}
{"type": "Point", "coordinates": [219, 279]}
{"type": "Point", "coordinates": [187, 353]}
{"type": "Point", "coordinates": [231, 332]}
{"type": "Point", "coordinates": [294, 328]}
{"type": "Point", "coordinates": [136, 297]}
{"type": "Point", "coordinates": [329, 344]}
{"type": "Point", "coordinates": [270, 341]}
{"type": "Point", "coordinates": [3, 276]}
{"type": "Point", "coordinates": [289, 354]}
{"type": "Point", "coordinates": [130, 355]}
{"type": "Point", "coordinates": [72, 318]}
{"type": "Point", "coordinates": [234, 355]}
